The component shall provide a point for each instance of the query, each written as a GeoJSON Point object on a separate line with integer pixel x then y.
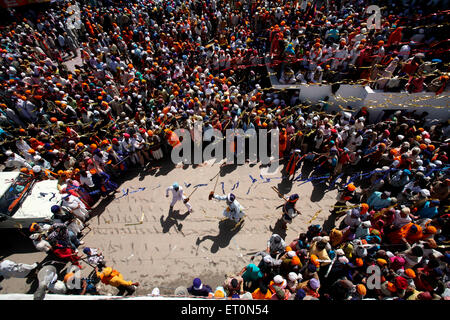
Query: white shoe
{"type": "Point", "coordinates": [81, 243]}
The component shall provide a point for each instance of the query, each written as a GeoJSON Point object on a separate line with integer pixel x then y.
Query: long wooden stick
{"type": "Point", "coordinates": [195, 189]}
{"type": "Point", "coordinates": [281, 196]}
{"type": "Point", "coordinates": [214, 176]}
{"type": "Point", "coordinates": [279, 193]}
{"type": "Point", "coordinates": [140, 221]}
{"type": "Point", "coordinates": [217, 180]}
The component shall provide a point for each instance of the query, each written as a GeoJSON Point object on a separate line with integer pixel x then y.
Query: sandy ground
{"type": "Point", "coordinates": [170, 250]}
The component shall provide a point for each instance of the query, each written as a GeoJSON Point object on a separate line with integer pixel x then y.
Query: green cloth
{"type": "Point", "coordinates": [252, 273]}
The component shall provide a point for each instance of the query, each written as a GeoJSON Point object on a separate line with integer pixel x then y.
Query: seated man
{"type": "Point", "coordinates": [287, 77]}
{"type": "Point", "coordinates": [429, 210]}
{"type": "Point", "coordinates": [378, 200]}
{"type": "Point", "coordinates": [251, 275]}
{"type": "Point", "coordinates": [95, 257]}
{"type": "Point", "coordinates": [59, 233]}
{"type": "Point", "coordinates": [199, 289]}
{"type": "Point", "coordinates": [233, 285]}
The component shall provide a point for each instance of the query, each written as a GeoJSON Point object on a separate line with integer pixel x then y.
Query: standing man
{"type": "Point", "coordinates": [294, 163]}
{"type": "Point", "coordinates": [289, 210]}
{"type": "Point", "coordinates": [234, 210]}
{"type": "Point", "coordinates": [342, 198]}
{"type": "Point", "coordinates": [177, 193]}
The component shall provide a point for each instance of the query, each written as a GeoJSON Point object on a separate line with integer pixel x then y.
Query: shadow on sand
{"type": "Point", "coordinates": [278, 229]}
{"type": "Point", "coordinates": [172, 220]}
{"type": "Point", "coordinates": [222, 240]}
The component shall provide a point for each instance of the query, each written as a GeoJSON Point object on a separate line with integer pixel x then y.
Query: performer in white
{"type": "Point", "coordinates": [233, 211]}
{"type": "Point", "coordinates": [177, 195]}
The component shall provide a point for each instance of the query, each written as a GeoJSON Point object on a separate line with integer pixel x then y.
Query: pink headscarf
{"type": "Point", "coordinates": [397, 263]}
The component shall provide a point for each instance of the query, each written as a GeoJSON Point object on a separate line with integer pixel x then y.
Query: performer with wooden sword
{"type": "Point", "coordinates": [177, 195]}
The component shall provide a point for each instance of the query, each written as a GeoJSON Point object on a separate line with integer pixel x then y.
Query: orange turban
{"type": "Point", "coordinates": [430, 230]}
{"type": "Point", "coordinates": [410, 273]}
{"type": "Point", "coordinates": [359, 262]}
{"type": "Point", "coordinates": [391, 287]}
{"type": "Point", "coordinates": [361, 289]}
{"type": "Point", "coordinates": [315, 260]}
{"type": "Point", "coordinates": [68, 276]}
{"type": "Point", "coordinates": [364, 207]}
{"type": "Point", "coordinates": [295, 260]}
{"type": "Point", "coordinates": [381, 262]}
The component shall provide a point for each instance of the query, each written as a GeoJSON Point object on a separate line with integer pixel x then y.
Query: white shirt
{"type": "Point", "coordinates": [350, 221]}
{"type": "Point", "coordinates": [10, 269]}
{"type": "Point", "coordinates": [177, 195]}
{"type": "Point", "coordinates": [87, 180]}
{"type": "Point", "coordinates": [399, 221]}
{"type": "Point", "coordinates": [235, 207]}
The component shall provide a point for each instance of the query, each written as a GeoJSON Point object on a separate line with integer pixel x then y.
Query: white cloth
{"type": "Point", "coordinates": [23, 147]}
{"type": "Point", "coordinates": [77, 206]}
{"type": "Point", "coordinates": [234, 211]}
{"type": "Point", "coordinates": [177, 196]}
{"type": "Point", "coordinates": [10, 269]}
{"type": "Point", "coordinates": [76, 226]}
{"type": "Point", "coordinates": [87, 180]}
{"type": "Point", "coordinates": [42, 245]}
{"type": "Point", "coordinates": [399, 221]}
{"type": "Point", "coordinates": [16, 161]}
{"type": "Point", "coordinates": [57, 287]}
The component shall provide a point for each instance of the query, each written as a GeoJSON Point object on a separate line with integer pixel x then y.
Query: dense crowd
{"type": "Point", "coordinates": [150, 67]}
{"type": "Point", "coordinates": [332, 44]}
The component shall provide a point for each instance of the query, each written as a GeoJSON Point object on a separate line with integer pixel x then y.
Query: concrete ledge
{"type": "Point", "coordinates": [356, 97]}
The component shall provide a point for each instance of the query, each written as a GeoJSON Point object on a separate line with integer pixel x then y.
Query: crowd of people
{"type": "Point", "coordinates": [150, 67]}
{"type": "Point", "coordinates": [331, 44]}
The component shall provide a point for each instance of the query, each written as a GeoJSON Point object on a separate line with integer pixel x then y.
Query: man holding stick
{"type": "Point", "coordinates": [177, 195]}
{"type": "Point", "coordinates": [289, 210]}
{"type": "Point", "coordinates": [233, 211]}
